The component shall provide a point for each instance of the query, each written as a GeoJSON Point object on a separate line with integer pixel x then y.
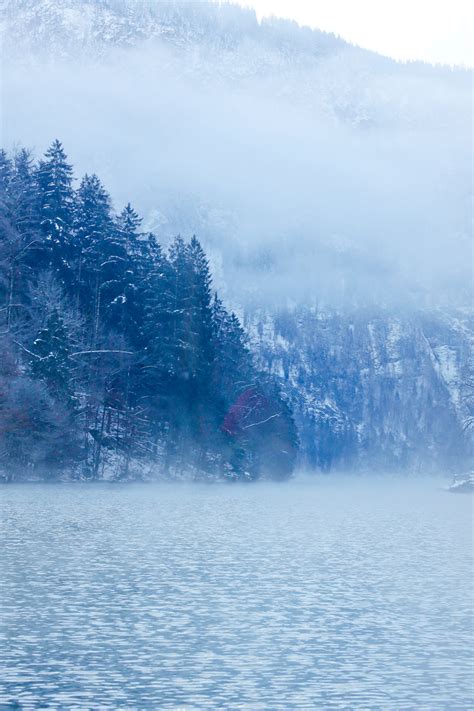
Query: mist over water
{"type": "Point", "coordinates": [323, 593]}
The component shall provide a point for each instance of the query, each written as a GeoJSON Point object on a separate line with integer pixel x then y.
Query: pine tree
{"type": "Point", "coordinates": [26, 207]}
{"type": "Point", "coordinates": [6, 172]}
{"type": "Point", "coordinates": [182, 336]}
{"type": "Point", "coordinates": [201, 311]}
{"type": "Point", "coordinates": [100, 257]}
{"type": "Point", "coordinates": [51, 361]}
{"type": "Point", "coordinates": [157, 386]}
{"type": "Point", "coordinates": [233, 368]}
{"type": "Point", "coordinates": [125, 308]}
{"type": "Point", "coordinates": [192, 310]}
{"type": "Point", "coordinates": [157, 299]}
{"type": "Point", "coordinates": [6, 233]}
{"type": "Point", "coordinates": [16, 246]}
{"type": "Point", "coordinates": [56, 204]}
{"type": "Point", "coordinates": [128, 224]}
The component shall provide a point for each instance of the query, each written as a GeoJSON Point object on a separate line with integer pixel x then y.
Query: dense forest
{"type": "Point", "coordinates": [117, 360]}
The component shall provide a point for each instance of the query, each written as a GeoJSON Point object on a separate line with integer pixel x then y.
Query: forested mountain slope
{"type": "Point", "coordinates": [330, 187]}
{"type": "Point", "coordinates": [116, 359]}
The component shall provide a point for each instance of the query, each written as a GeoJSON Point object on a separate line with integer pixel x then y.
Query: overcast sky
{"type": "Point", "coordinates": [437, 31]}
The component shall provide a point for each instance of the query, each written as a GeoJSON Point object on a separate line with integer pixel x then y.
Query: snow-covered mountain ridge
{"type": "Point", "coordinates": [226, 43]}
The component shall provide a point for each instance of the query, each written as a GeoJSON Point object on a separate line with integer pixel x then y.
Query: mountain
{"type": "Point", "coordinates": [67, 26]}
{"type": "Point", "coordinates": [330, 186]}
{"type": "Point", "coordinates": [374, 390]}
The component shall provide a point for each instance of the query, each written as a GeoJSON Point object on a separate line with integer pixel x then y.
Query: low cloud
{"type": "Point", "coordinates": [360, 191]}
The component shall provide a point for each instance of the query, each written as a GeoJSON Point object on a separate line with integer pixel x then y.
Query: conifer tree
{"type": "Point", "coordinates": [51, 361]}
{"type": "Point", "coordinates": [182, 336]}
{"type": "Point", "coordinates": [56, 204]}
{"type": "Point", "coordinates": [125, 307]}
{"type": "Point", "coordinates": [6, 171]}
{"type": "Point", "coordinates": [101, 259]}
{"type": "Point", "coordinates": [160, 369]}
{"type": "Point", "coordinates": [128, 224]}
{"type": "Point", "coordinates": [158, 299]}
{"type": "Point", "coordinates": [6, 230]}
{"type": "Point", "coordinates": [201, 311]}
{"type": "Point", "coordinates": [25, 204]}
{"type": "Point", "coordinates": [17, 244]}
{"type": "Point", "coordinates": [232, 366]}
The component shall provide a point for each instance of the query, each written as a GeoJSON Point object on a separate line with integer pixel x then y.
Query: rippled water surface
{"type": "Point", "coordinates": [324, 595]}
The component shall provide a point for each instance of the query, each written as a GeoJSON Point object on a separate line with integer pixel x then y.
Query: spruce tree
{"type": "Point", "coordinates": [51, 361]}
{"type": "Point", "coordinates": [158, 300]}
{"type": "Point", "coordinates": [158, 387]}
{"type": "Point", "coordinates": [182, 335]}
{"type": "Point", "coordinates": [100, 257]}
{"type": "Point", "coordinates": [233, 368]}
{"type": "Point", "coordinates": [201, 311]}
{"type": "Point", "coordinates": [56, 205]}
{"type": "Point", "coordinates": [128, 224]}
{"type": "Point", "coordinates": [25, 203]}
{"type": "Point", "coordinates": [6, 172]}
{"type": "Point", "coordinates": [16, 246]}
{"type": "Point", "coordinates": [125, 307]}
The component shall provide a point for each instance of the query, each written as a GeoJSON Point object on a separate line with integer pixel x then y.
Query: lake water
{"type": "Point", "coordinates": [322, 594]}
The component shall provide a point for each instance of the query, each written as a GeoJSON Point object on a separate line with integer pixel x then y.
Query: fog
{"type": "Point", "coordinates": [351, 181]}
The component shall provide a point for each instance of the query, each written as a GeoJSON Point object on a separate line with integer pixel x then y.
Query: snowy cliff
{"type": "Point", "coordinates": [373, 390]}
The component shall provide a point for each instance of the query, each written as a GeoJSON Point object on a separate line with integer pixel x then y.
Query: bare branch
{"type": "Point", "coordinates": [262, 422]}
{"type": "Point", "coordinates": [79, 353]}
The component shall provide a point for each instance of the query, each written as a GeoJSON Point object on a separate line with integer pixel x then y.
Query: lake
{"type": "Point", "coordinates": [324, 593]}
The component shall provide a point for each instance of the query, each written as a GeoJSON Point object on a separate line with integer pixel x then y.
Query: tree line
{"type": "Point", "coordinates": [117, 359]}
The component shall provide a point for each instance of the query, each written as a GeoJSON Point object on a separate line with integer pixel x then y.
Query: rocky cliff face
{"type": "Point", "coordinates": [373, 390]}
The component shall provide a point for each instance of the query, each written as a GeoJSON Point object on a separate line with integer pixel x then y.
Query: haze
{"type": "Point", "coordinates": [344, 176]}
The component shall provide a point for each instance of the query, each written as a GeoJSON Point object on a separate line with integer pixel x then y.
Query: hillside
{"type": "Point", "coordinates": [330, 187]}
